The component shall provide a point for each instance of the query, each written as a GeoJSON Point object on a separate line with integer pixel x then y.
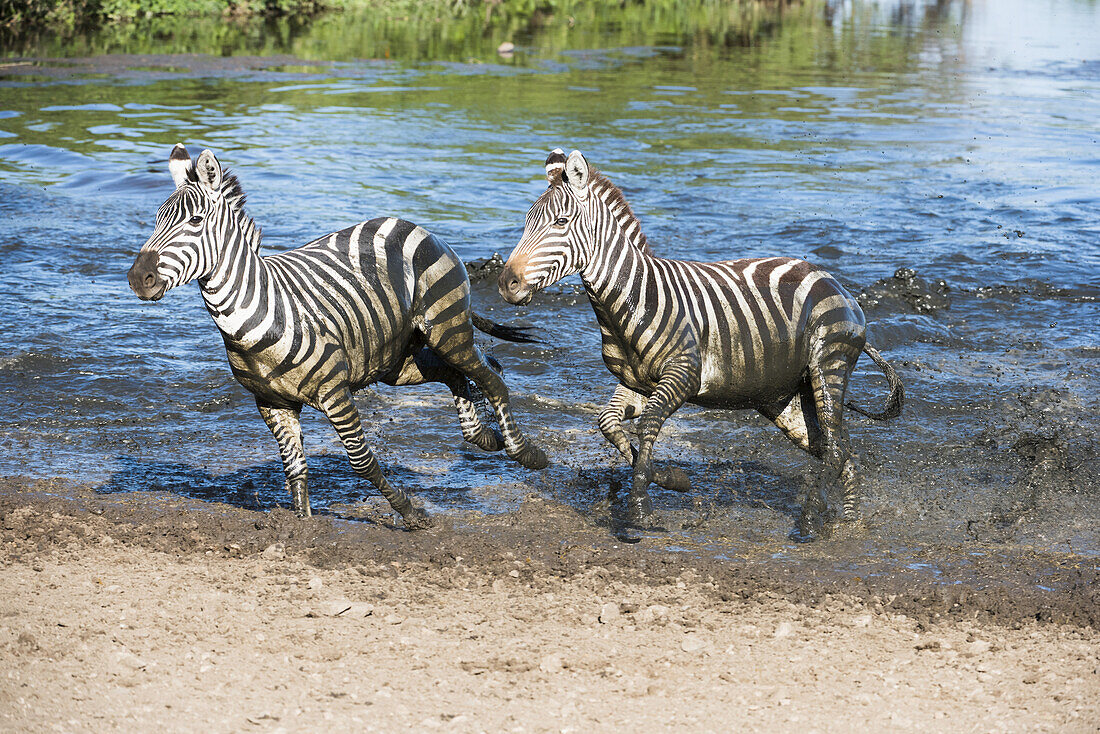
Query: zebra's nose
{"type": "Point", "coordinates": [143, 276]}
{"type": "Point", "coordinates": [511, 286]}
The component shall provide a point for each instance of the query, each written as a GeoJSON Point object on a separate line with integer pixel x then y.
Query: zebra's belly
{"type": "Point", "coordinates": [295, 378]}
{"type": "Point", "coordinates": [735, 389]}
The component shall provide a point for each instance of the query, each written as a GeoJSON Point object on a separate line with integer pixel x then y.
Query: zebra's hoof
{"type": "Point", "coordinates": [650, 521]}
{"type": "Point", "coordinates": [800, 535]}
{"type": "Point", "coordinates": [640, 514]}
{"type": "Point", "coordinates": [299, 498]}
{"type": "Point", "coordinates": [416, 519]}
{"type": "Point", "coordinates": [672, 477]}
{"type": "Point", "coordinates": [809, 528]}
{"type": "Point", "coordinates": [532, 457]}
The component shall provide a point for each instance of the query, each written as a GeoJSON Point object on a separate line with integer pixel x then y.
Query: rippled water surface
{"type": "Point", "coordinates": [961, 140]}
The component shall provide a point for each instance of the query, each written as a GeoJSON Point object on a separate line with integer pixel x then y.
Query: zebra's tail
{"type": "Point", "coordinates": [502, 331]}
{"type": "Point", "coordinates": [897, 392]}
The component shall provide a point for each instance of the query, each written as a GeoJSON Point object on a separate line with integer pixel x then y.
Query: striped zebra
{"type": "Point", "coordinates": [775, 334]}
{"type": "Point", "coordinates": [383, 301]}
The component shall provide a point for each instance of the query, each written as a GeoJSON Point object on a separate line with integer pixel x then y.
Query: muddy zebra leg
{"type": "Point", "coordinates": [829, 382]}
{"type": "Point", "coordinates": [339, 408]}
{"type": "Point", "coordinates": [425, 366]}
{"type": "Point", "coordinates": [626, 404]}
{"type": "Point", "coordinates": [450, 335]}
{"type": "Point", "coordinates": [679, 381]}
{"type": "Point", "coordinates": [286, 427]}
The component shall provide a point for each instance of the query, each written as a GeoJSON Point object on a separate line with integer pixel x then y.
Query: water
{"type": "Point", "coordinates": [957, 139]}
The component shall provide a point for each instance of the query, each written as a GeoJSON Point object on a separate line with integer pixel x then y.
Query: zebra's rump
{"type": "Point", "coordinates": [758, 319]}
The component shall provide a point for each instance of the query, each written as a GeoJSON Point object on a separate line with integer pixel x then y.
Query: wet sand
{"type": "Point", "coordinates": [142, 611]}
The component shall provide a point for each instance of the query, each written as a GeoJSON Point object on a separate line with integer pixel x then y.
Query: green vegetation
{"type": "Point", "coordinates": [18, 16]}
{"type": "Point", "coordinates": [452, 30]}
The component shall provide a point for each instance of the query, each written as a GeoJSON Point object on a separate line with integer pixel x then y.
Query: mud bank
{"type": "Point", "coordinates": [124, 612]}
{"type": "Point", "coordinates": [549, 539]}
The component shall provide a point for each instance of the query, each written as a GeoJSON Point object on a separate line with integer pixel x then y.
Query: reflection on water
{"type": "Point", "coordinates": [954, 138]}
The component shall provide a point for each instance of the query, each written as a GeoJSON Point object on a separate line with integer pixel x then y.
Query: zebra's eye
{"type": "Point", "coordinates": [561, 221]}
{"type": "Point", "coordinates": [195, 220]}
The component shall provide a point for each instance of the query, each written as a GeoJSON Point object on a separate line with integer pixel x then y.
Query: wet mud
{"type": "Point", "coordinates": [547, 539]}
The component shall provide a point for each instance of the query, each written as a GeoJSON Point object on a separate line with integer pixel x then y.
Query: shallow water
{"type": "Point", "coordinates": [957, 139]}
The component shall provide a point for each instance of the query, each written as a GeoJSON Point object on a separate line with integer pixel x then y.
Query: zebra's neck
{"type": "Point", "coordinates": [614, 208]}
{"type": "Point", "coordinates": [239, 284]}
{"type": "Point", "coordinates": [616, 276]}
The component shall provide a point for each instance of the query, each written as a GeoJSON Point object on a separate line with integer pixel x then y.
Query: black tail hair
{"type": "Point", "coordinates": [897, 391]}
{"type": "Point", "coordinates": [502, 331]}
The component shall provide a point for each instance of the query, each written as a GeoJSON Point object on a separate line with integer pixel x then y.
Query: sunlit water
{"type": "Point", "coordinates": [958, 139]}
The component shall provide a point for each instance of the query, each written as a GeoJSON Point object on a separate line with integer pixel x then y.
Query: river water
{"type": "Point", "coordinates": [960, 140]}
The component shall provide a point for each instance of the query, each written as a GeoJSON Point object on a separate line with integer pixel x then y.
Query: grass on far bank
{"type": "Point", "coordinates": [21, 15]}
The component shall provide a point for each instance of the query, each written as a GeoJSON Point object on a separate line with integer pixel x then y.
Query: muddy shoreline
{"type": "Point", "coordinates": [121, 612]}
{"type": "Point", "coordinates": [546, 538]}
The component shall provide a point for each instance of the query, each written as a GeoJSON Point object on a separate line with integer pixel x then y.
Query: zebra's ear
{"type": "Point", "coordinates": [555, 163]}
{"type": "Point", "coordinates": [209, 171]}
{"type": "Point", "coordinates": [576, 174]}
{"type": "Point", "coordinates": [179, 164]}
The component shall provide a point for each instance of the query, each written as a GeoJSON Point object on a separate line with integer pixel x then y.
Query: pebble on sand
{"type": "Point", "coordinates": [609, 612]}
{"type": "Point", "coordinates": [552, 663]}
{"type": "Point", "coordinates": [691, 643]}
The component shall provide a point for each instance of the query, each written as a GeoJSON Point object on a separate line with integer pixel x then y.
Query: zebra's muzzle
{"type": "Point", "coordinates": [512, 288]}
{"type": "Point", "coordinates": [144, 279]}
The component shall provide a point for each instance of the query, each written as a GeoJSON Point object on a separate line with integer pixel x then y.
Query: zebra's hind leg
{"type": "Point", "coordinates": [287, 429]}
{"type": "Point", "coordinates": [424, 365]}
{"type": "Point", "coordinates": [344, 416]}
{"type": "Point", "coordinates": [829, 381]}
{"type": "Point", "coordinates": [454, 343]}
{"type": "Point", "coordinates": [797, 418]}
{"type": "Point", "coordinates": [679, 381]}
{"type": "Point", "coordinates": [626, 404]}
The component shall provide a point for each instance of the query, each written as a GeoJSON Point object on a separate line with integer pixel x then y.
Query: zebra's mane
{"type": "Point", "coordinates": [231, 187]}
{"type": "Point", "coordinates": [612, 195]}
{"type": "Point", "coordinates": [234, 196]}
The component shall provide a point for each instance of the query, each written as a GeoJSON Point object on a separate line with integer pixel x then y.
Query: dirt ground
{"type": "Point", "coordinates": [151, 612]}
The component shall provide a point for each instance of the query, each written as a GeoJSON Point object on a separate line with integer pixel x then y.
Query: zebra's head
{"type": "Point", "coordinates": [190, 226]}
{"type": "Point", "coordinates": [558, 233]}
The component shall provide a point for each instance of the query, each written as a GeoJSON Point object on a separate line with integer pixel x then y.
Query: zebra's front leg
{"type": "Point", "coordinates": [626, 404]}
{"type": "Point", "coordinates": [286, 427]}
{"type": "Point", "coordinates": [344, 416]}
{"type": "Point", "coordinates": [679, 381]}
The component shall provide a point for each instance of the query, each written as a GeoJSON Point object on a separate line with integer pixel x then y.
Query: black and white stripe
{"type": "Point", "coordinates": [383, 301]}
{"type": "Point", "coordinates": [775, 334]}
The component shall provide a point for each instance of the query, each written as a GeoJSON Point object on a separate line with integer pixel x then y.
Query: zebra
{"type": "Point", "coordinates": [778, 334]}
{"type": "Point", "coordinates": [382, 301]}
